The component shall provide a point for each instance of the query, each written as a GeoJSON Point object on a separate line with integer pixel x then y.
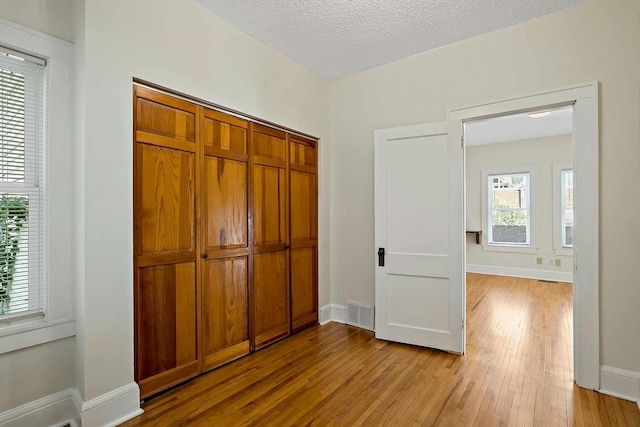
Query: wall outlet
{"type": "Point", "coordinates": [539, 260]}
{"type": "Point", "coordinates": [558, 263]}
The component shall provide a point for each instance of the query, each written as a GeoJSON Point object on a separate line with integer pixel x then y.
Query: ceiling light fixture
{"type": "Point", "coordinates": [539, 114]}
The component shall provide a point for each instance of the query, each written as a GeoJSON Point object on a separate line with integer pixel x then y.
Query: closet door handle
{"type": "Point", "coordinates": [204, 255]}
{"type": "Point", "coordinates": [286, 246]}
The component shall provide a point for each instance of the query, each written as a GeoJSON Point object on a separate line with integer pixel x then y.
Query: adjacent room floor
{"type": "Point", "coordinates": [517, 370]}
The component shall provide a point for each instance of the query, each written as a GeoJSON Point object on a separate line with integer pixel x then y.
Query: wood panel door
{"type": "Point", "coordinates": [165, 245]}
{"type": "Point", "coordinates": [225, 239]}
{"type": "Point", "coordinates": [303, 202]}
{"type": "Point", "coordinates": [269, 164]}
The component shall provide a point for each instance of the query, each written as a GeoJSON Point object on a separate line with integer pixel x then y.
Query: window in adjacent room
{"type": "Point", "coordinates": [567, 208]}
{"type": "Point", "coordinates": [563, 209]}
{"type": "Point", "coordinates": [22, 91]}
{"type": "Point", "coordinates": [509, 208]}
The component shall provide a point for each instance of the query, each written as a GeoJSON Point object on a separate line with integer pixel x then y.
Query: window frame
{"type": "Point", "coordinates": [58, 202]}
{"type": "Point", "coordinates": [558, 209]}
{"type": "Point", "coordinates": [33, 186]}
{"type": "Point", "coordinates": [487, 209]}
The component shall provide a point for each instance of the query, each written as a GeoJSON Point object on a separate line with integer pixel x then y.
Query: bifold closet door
{"type": "Point", "coordinates": [303, 210]}
{"type": "Point", "coordinates": [225, 235]}
{"type": "Point", "coordinates": [270, 235]}
{"type": "Point", "coordinates": [165, 244]}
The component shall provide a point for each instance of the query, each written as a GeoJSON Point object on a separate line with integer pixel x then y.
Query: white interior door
{"type": "Point", "coordinates": [419, 223]}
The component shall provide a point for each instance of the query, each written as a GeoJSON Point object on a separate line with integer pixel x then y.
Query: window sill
{"type": "Point", "coordinates": [564, 251]}
{"type": "Point", "coordinates": [507, 248]}
{"type": "Point", "coordinates": [34, 332]}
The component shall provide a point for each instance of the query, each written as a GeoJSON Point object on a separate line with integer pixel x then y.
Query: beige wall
{"type": "Point", "coordinates": [541, 153]}
{"type": "Point", "coordinates": [180, 45]}
{"type": "Point", "coordinates": [51, 17]}
{"type": "Point", "coordinates": [596, 40]}
{"type": "Point", "coordinates": [35, 372]}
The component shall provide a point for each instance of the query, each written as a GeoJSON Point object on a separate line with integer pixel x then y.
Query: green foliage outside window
{"type": "Point", "coordinates": [509, 217]}
{"type": "Point", "coordinates": [14, 211]}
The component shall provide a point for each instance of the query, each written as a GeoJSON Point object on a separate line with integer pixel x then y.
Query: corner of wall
{"type": "Point", "coordinates": [620, 383]}
{"type": "Point", "coordinates": [110, 409]}
{"type": "Point", "coordinates": [332, 313]}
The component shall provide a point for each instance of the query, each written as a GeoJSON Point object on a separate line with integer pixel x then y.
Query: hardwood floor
{"type": "Point", "coordinates": [517, 371]}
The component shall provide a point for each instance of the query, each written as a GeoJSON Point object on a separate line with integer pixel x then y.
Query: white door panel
{"type": "Point", "coordinates": [409, 195]}
{"type": "Point", "coordinates": [418, 265]}
{"type": "Point", "coordinates": [418, 217]}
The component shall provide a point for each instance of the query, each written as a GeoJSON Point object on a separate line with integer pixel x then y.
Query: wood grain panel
{"type": "Point", "coordinates": [164, 380]}
{"type": "Point", "coordinates": [303, 205]}
{"type": "Point", "coordinates": [165, 120]}
{"type": "Point", "coordinates": [165, 246]}
{"type": "Point", "coordinates": [271, 297]}
{"type": "Point", "coordinates": [302, 152]}
{"type": "Point", "coordinates": [167, 200]}
{"type": "Point", "coordinates": [167, 337]}
{"type": "Point", "coordinates": [269, 205]}
{"type": "Point", "coordinates": [304, 303]}
{"type": "Point", "coordinates": [223, 135]}
{"type": "Point", "coordinates": [225, 203]}
{"type": "Point", "coordinates": [212, 237]}
{"type": "Point", "coordinates": [225, 310]}
{"type": "Point", "coordinates": [269, 145]}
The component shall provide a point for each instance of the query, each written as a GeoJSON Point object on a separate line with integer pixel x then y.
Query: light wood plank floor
{"type": "Point", "coordinates": [517, 371]}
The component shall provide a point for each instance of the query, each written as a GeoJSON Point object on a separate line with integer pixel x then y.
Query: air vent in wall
{"type": "Point", "coordinates": [360, 315]}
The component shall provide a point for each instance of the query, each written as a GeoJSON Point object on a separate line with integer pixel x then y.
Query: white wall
{"type": "Point", "coordinates": [52, 17]}
{"type": "Point", "coordinates": [35, 372]}
{"type": "Point", "coordinates": [596, 40]}
{"type": "Point", "coordinates": [541, 153]}
{"type": "Point", "coordinates": [180, 45]}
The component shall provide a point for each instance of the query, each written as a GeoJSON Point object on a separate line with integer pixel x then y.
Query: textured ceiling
{"type": "Point", "coordinates": [518, 127]}
{"type": "Point", "coordinates": [336, 38]}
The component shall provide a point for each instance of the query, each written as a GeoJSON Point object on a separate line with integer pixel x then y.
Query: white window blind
{"type": "Point", "coordinates": [22, 269]}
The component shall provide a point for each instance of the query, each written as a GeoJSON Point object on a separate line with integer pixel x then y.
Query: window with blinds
{"type": "Point", "coordinates": [22, 269]}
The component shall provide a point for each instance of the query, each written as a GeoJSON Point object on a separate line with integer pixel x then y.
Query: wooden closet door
{"type": "Point", "coordinates": [225, 236]}
{"type": "Point", "coordinates": [165, 246]}
{"type": "Point", "coordinates": [270, 235]}
{"type": "Point", "coordinates": [304, 231]}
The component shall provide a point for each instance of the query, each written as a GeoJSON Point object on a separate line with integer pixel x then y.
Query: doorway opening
{"type": "Point", "coordinates": [585, 232]}
{"type": "Point", "coordinates": [519, 246]}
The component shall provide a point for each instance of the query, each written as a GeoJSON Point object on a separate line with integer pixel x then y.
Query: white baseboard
{"type": "Point", "coordinates": [66, 407]}
{"type": "Point", "coordinates": [527, 273]}
{"type": "Point", "coordinates": [620, 383]}
{"type": "Point", "coordinates": [332, 313]}
{"type": "Point", "coordinates": [54, 410]}
{"type": "Point", "coordinates": [110, 409]}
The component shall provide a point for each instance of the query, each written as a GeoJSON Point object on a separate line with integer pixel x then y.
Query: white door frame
{"type": "Point", "coordinates": [586, 262]}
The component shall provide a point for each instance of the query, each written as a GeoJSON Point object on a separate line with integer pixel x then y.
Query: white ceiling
{"type": "Point", "coordinates": [336, 38]}
{"type": "Point", "coordinates": [518, 127]}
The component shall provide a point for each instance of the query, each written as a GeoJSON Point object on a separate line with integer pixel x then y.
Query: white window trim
{"type": "Point", "coordinates": [531, 247]}
{"type": "Point", "coordinates": [558, 249]}
{"type": "Point", "coordinates": [58, 321]}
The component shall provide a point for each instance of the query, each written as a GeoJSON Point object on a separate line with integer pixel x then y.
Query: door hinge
{"type": "Point", "coordinates": [463, 324]}
{"type": "Point", "coordinates": [461, 141]}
